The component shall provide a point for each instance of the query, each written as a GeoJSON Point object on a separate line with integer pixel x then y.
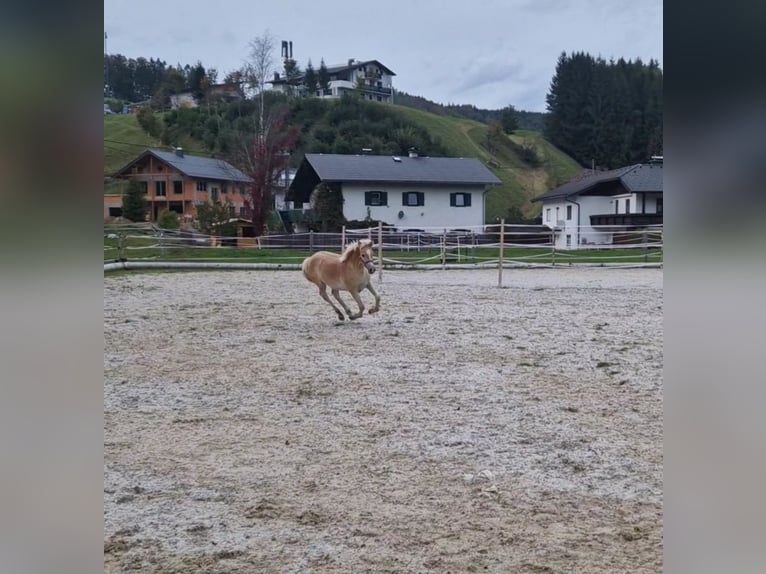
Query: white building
{"type": "Point", "coordinates": [373, 79]}
{"type": "Point", "coordinates": [591, 208]}
{"type": "Point", "coordinates": [408, 192]}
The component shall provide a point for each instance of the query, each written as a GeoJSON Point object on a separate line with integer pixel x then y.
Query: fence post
{"type": "Point", "coordinates": [553, 248]}
{"type": "Point", "coordinates": [500, 254]}
{"type": "Point", "coordinates": [311, 241]}
{"type": "Point", "coordinates": [646, 247]}
{"type": "Point", "coordinates": [444, 249]}
{"type": "Point", "coordinates": [380, 251]}
{"type": "Point", "coordinates": [342, 238]}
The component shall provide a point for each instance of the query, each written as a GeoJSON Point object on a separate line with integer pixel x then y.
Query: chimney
{"type": "Point", "coordinates": [180, 151]}
{"type": "Point", "coordinates": [350, 62]}
{"type": "Point", "coordinates": [413, 152]}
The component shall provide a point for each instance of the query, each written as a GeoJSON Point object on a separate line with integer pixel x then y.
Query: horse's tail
{"type": "Point", "coordinates": [304, 268]}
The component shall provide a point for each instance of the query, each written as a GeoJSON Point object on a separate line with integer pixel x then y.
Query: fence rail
{"type": "Point", "coordinates": [498, 246]}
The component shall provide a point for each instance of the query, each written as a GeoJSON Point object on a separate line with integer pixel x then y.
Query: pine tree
{"type": "Point", "coordinates": [134, 203]}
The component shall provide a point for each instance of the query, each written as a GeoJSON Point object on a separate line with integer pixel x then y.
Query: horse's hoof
{"type": "Point", "coordinates": [374, 310]}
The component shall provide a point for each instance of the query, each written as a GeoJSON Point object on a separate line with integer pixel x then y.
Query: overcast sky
{"type": "Point", "coordinates": [489, 53]}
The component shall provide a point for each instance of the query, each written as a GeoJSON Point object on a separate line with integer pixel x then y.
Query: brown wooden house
{"type": "Point", "coordinates": [176, 181]}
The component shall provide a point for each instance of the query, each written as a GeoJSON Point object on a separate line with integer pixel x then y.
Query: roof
{"type": "Point", "coordinates": [640, 177]}
{"type": "Point", "coordinates": [394, 169]}
{"type": "Point", "coordinates": [194, 166]}
{"type": "Point", "coordinates": [334, 69]}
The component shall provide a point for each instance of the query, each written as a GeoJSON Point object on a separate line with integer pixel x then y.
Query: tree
{"type": "Point", "coordinates": [327, 203]}
{"type": "Point", "coordinates": [323, 77]}
{"type": "Point", "coordinates": [292, 73]}
{"type": "Point", "coordinates": [260, 67]}
{"type": "Point", "coordinates": [508, 120]}
{"type": "Point", "coordinates": [310, 79]}
{"type": "Point", "coordinates": [133, 201]}
{"type": "Point", "coordinates": [213, 218]}
{"type": "Point", "coordinates": [168, 220]}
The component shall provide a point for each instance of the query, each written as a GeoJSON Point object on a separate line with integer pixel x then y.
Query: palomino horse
{"type": "Point", "coordinates": [349, 271]}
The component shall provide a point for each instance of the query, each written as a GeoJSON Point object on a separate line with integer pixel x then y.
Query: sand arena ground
{"type": "Point", "coordinates": [464, 428]}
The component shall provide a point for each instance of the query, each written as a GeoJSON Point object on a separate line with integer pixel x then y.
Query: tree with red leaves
{"type": "Point", "coordinates": [265, 153]}
{"type": "Point", "coordinates": [265, 160]}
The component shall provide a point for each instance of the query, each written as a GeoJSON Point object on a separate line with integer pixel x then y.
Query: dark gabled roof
{"type": "Point", "coordinates": [194, 166]}
{"type": "Point", "coordinates": [404, 169]}
{"type": "Point", "coordinates": [634, 178]}
{"type": "Point", "coordinates": [356, 63]}
{"type": "Point", "coordinates": [338, 168]}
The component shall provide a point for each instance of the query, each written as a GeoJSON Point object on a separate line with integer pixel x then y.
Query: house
{"type": "Point", "coordinates": [372, 78]}
{"type": "Point", "coordinates": [412, 192]}
{"type": "Point", "coordinates": [228, 92]}
{"type": "Point", "coordinates": [176, 181]}
{"type": "Point", "coordinates": [591, 208]}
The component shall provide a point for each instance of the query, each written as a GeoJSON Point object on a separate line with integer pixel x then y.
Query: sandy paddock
{"type": "Point", "coordinates": [464, 428]}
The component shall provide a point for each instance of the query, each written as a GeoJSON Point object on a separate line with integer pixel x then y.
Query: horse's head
{"type": "Point", "coordinates": [365, 254]}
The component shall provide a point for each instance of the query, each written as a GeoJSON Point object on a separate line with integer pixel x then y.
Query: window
{"type": "Point", "coordinates": [627, 206]}
{"type": "Point", "coordinates": [413, 198]}
{"type": "Point", "coordinates": [201, 186]}
{"type": "Point", "coordinates": [569, 240]}
{"type": "Point", "coordinates": [159, 188]}
{"type": "Point", "coordinates": [659, 205]}
{"type": "Point", "coordinates": [144, 186]}
{"type": "Point", "coordinates": [223, 189]}
{"type": "Point", "coordinates": [557, 214]}
{"type": "Point", "coordinates": [548, 214]}
{"type": "Point", "coordinates": [214, 194]}
{"type": "Point", "coordinates": [178, 187]}
{"type": "Point", "coordinates": [617, 206]}
{"type": "Point", "coordinates": [569, 213]}
{"type": "Point", "coordinates": [460, 199]}
{"type": "Point", "coordinates": [375, 198]}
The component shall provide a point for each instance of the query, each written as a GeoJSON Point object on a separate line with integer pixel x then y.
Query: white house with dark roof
{"type": "Point", "coordinates": [370, 76]}
{"type": "Point", "coordinates": [408, 192]}
{"type": "Point", "coordinates": [589, 209]}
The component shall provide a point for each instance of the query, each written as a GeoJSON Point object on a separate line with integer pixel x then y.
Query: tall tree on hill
{"type": "Point", "coordinates": [310, 79]}
{"type": "Point", "coordinates": [508, 119]}
{"type": "Point", "coordinates": [260, 67]}
{"type": "Point", "coordinates": [323, 77]}
{"type": "Point", "coordinates": [607, 113]}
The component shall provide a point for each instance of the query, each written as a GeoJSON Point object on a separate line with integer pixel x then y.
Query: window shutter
{"type": "Point", "coordinates": [367, 197]}
{"type": "Point", "coordinates": [404, 197]}
{"type": "Point", "coordinates": [467, 197]}
{"type": "Point", "coordinates": [421, 198]}
{"type": "Point", "coordinates": [452, 199]}
{"type": "Point", "coordinates": [383, 198]}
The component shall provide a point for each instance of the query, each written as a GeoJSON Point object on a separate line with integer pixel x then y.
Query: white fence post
{"type": "Point", "coordinates": [500, 254]}
{"type": "Point", "coordinates": [380, 251]}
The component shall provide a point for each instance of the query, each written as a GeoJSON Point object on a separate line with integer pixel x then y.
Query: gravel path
{"type": "Point", "coordinates": [464, 428]}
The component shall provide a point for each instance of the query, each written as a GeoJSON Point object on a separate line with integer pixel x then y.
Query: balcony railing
{"type": "Point", "coordinates": [626, 219]}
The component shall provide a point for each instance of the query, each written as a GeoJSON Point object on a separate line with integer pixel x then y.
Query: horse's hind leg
{"type": "Point", "coordinates": [323, 294]}
{"type": "Point", "coordinates": [358, 300]}
{"type": "Point", "coordinates": [336, 294]}
{"type": "Point", "coordinates": [376, 308]}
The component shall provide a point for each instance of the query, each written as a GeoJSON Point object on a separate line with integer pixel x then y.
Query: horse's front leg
{"type": "Point", "coordinates": [358, 299]}
{"type": "Point", "coordinates": [376, 308]}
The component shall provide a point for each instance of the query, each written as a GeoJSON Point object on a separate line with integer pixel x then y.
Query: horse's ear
{"type": "Point", "coordinates": [365, 243]}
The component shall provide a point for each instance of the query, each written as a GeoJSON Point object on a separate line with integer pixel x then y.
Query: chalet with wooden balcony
{"type": "Point", "coordinates": [176, 181]}
{"type": "Point", "coordinates": [594, 207]}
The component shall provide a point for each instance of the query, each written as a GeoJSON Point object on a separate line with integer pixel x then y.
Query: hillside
{"type": "Point", "coordinates": [124, 139]}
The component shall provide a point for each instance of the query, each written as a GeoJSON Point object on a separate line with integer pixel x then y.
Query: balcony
{"type": "Point", "coordinates": [626, 219]}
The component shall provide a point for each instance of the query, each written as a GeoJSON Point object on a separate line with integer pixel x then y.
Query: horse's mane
{"type": "Point", "coordinates": [350, 248]}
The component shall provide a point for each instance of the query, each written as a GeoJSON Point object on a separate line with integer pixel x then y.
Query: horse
{"type": "Point", "coordinates": [350, 271]}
